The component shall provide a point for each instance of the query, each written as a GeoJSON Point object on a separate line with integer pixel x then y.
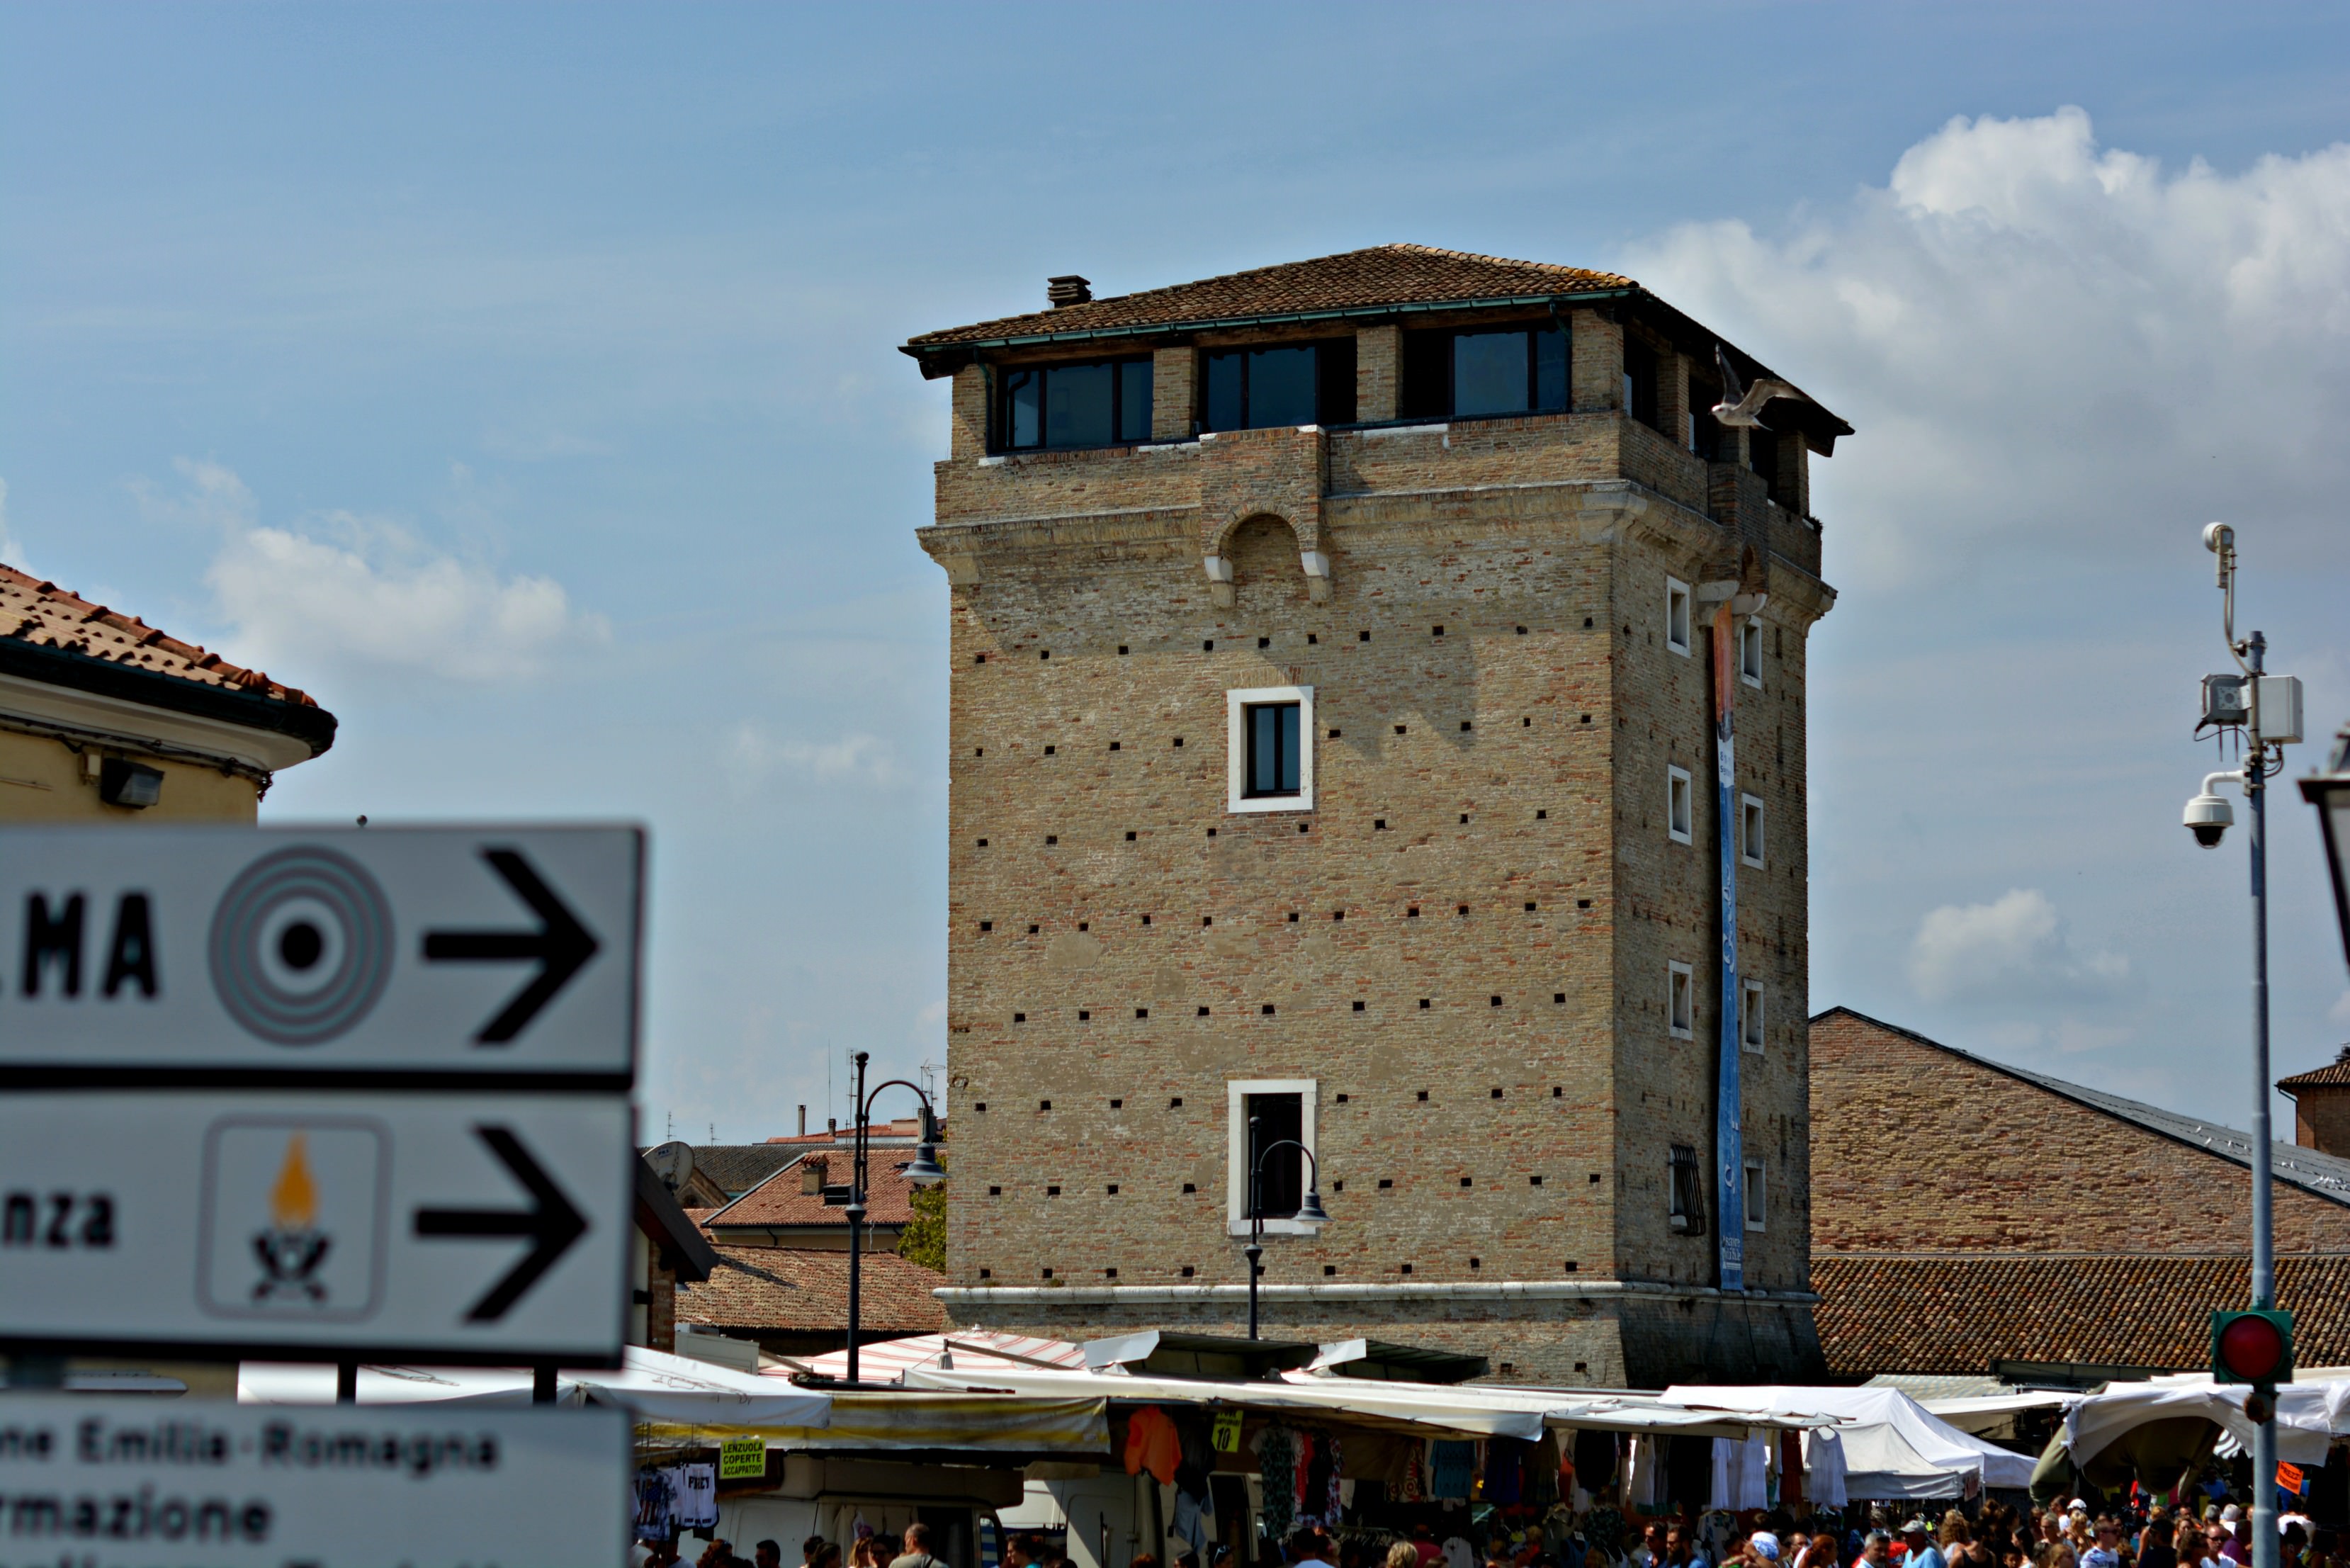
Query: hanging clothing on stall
{"type": "Point", "coordinates": [656, 1516]}
{"type": "Point", "coordinates": [1191, 1526]}
{"type": "Point", "coordinates": [1452, 1467]}
{"type": "Point", "coordinates": [1410, 1483]}
{"type": "Point", "coordinates": [1505, 1468]}
{"type": "Point", "coordinates": [1644, 1475]}
{"type": "Point", "coordinates": [1824, 1468]}
{"type": "Point", "coordinates": [1751, 1487]}
{"type": "Point", "coordinates": [1153, 1444]}
{"type": "Point", "coordinates": [1277, 1455]}
{"type": "Point", "coordinates": [697, 1496]}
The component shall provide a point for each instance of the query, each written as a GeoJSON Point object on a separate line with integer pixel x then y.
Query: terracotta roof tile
{"type": "Point", "coordinates": [781, 1288]}
{"type": "Point", "coordinates": [2334, 1072]}
{"type": "Point", "coordinates": [1381, 275]}
{"type": "Point", "coordinates": [48, 616]}
{"type": "Point", "coordinates": [1960, 1315]}
{"type": "Point", "coordinates": [779, 1199]}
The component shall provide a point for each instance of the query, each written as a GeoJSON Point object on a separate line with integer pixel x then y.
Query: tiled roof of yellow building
{"type": "Point", "coordinates": [48, 616]}
{"type": "Point", "coordinates": [1378, 277]}
{"type": "Point", "coordinates": [2334, 1072]}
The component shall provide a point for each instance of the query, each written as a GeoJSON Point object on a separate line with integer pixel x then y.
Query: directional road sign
{"type": "Point", "coordinates": [198, 953]}
{"type": "Point", "coordinates": [227, 1486]}
{"type": "Point", "coordinates": [367, 1226]}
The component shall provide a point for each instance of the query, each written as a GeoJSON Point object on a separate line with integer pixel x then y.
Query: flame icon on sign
{"type": "Point", "coordinates": [292, 1247]}
{"type": "Point", "coordinates": [293, 1201]}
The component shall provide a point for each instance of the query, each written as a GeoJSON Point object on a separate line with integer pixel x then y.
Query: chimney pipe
{"type": "Point", "coordinates": [1068, 289]}
{"type": "Point", "coordinates": [803, 1121]}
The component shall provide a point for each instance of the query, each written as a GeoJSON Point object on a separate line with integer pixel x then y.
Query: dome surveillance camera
{"type": "Point", "coordinates": [2209, 818]}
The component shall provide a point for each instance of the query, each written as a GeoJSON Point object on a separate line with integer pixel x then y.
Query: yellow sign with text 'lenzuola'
{"type": "Point", "coordinates": [742, 1459]}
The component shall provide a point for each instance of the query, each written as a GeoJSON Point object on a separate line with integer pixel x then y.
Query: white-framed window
{"type": "Point", "coordinates": [1681, 1000]}
{"type": "Point", "coordinates": [1284, 1109]}
{"type": "Point", "coordinates": [1757, 1196]}
{"type": "Point", "coordinates": [1676, 615]}
{"type": "Point", "coordinates": [1269, 749]}
{"type": "Point", "coordinates": [1750, 1015]}
{"type": "Point", "coordinates": [1749, 652]}
{"type": "Point", "coordinates": [1678, 807]}
{"type": "Point", "coordinates": [1750, 829]}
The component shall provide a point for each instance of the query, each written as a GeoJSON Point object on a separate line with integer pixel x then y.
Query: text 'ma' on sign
{"type": "Point", "coordinates": [268, 954]}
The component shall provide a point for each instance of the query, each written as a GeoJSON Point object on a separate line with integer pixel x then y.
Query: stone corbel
{"type": "Point", "coordinates": [1219, 581]}
{"type": "Point", "coordinates": [1317, 574]}
{"type": "Point", "coordinates": [1740, 602]}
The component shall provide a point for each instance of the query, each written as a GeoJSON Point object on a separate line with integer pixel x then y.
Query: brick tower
{"type": "Point", "coordinates": [1344, 654]}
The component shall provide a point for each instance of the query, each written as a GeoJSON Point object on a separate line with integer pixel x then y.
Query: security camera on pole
{"type": "Point", "coordinates": [2253, 1347]}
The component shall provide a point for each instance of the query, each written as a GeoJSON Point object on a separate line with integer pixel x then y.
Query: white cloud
{"type": "Point", "coordinates": [362, 595]}
{"type": "Point", "coordinates": [2048, 345]}
{"type": "Point", "coordinates": [2014, 948]}
{"type": "Point", "coordinates": [753, 756]}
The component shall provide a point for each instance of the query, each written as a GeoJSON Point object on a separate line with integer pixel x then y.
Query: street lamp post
{"type": "Point", "coordinates": [922, 1171]}
{"type": "Point", "coordinates": [2208, 817]}
{"type": "Point", "coordinates": [1309, 1212]}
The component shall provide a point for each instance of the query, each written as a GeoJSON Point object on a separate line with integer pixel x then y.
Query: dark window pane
{"type": "Point", "coordinates": [1224, 394]}
{"type": "Point", "coordinates": [1024, 405]}
{"type": "Point", "coordinates": [1077, 405]}
{"type": "Point", "coordinates": [1640, 382]}
{"type": "Point", "coordinates": [1279, 387]}
{"type": "Point", "coordinates": [1335, 365]}
{"type": "Point", "coordinates": [1272, 766]}
{"type": "Point", "coordinates": [1550, 370]}
{"type": "Point", "coordinates": [1427, 391]}
{"type": "Point", "coordinates": [1278, 1119]}
{"type": "Point", "coordinates": [1489, 373]}
{"type": "Point", "coordinates": [1134, 401]}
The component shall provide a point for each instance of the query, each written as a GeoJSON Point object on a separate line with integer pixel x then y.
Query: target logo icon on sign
{"type": "Point", "coordinates": [301, 946]}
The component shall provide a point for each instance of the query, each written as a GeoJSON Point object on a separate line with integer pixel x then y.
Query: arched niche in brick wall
{"type": "Point", "coordinates": [1265, 551]}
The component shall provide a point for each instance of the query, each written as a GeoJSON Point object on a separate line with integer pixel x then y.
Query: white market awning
{"type": "Point", "coordinates": [2310, 1414]}
{"type": "Point", "coordinates": [650, 1385]}
{"type": "Point", "coordinates": [1892, 1446]}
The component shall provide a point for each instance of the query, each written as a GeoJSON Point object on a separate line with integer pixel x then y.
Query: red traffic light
{"type": "Point", "coordinates": [2251, 1348]}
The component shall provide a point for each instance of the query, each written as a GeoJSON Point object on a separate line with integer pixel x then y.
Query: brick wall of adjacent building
{"type": "Point", "coordinates": [1916, 1150]}
{"type": "Point", "coordinates": [1463, 945]}
{"type": "Point", "coordinates": [2321, 1118]}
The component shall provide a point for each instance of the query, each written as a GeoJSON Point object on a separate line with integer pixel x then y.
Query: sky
{"type": "Point", "coordinates": [522, 381]}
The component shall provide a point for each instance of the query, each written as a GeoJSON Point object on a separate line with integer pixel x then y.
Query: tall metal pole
{"type": "Point", "coordinates": [2265, 1460]}
{"type": "Point", "coordinates": [856, 1211]}
{"type": "Point", "coordinates": [1256, 1222]}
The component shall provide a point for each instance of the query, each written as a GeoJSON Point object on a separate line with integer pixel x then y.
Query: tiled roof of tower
{"type": "Point", "coordinates": [48, 616]}
{"type": "Point", "coordinates": [1379, 278]}
{"type": "Point", "coordinates": [2335, 1072]}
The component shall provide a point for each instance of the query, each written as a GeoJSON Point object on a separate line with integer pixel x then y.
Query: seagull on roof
{"type": "Point", "coordinates": [1745, 409]}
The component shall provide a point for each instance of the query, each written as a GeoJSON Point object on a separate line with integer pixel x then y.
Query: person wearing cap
{"type": "Point", "coordinates": [1763, 1547]}
{"type": "Point", "coordinates": [1919, 1537]}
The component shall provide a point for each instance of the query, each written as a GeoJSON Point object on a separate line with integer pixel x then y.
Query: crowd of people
{"type": "Point", "coordinates": [877, 1551]}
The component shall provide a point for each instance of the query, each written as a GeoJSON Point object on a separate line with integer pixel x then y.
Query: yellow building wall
{"type": "Point", "coordinates": [42, 780]}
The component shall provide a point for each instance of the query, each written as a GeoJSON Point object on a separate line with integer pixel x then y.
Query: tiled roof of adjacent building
{"type": "Point", "coordinates": [51, 633]}
{"type": "Point", "coordinates": [780, 1199]}
{"type": "Point", "coordinates": [736, 1168]}
{"type": "Point", "coordinates": [2334, 1072]}
{"type": "Point", "coordinates": [1960, 1315]}
{"type": "Point", "coordinates": [1377, 278]}
{"type": "Point", "coordinates": [2325, 1175]}
{"type": "Point", "coordinates": [778, 1289]}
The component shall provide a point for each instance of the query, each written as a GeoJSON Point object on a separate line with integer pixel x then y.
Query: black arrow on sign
{"type": "Point", "coordinates": [552, 1226]}
{"type": "Point", "coordinates": [561, 945]}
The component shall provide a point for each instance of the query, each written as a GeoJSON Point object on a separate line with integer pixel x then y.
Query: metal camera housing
{"type": "Point", "coordinates": [2209, 817]}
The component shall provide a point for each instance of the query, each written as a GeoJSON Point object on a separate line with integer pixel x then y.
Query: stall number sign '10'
{"type": "Point", "coordinates": [465, 953]}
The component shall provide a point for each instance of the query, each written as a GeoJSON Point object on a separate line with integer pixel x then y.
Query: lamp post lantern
{"type": "Point", "coordinates": [922, 1171]}
{"type": "Point", "coordinates": [1310, 1211]}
